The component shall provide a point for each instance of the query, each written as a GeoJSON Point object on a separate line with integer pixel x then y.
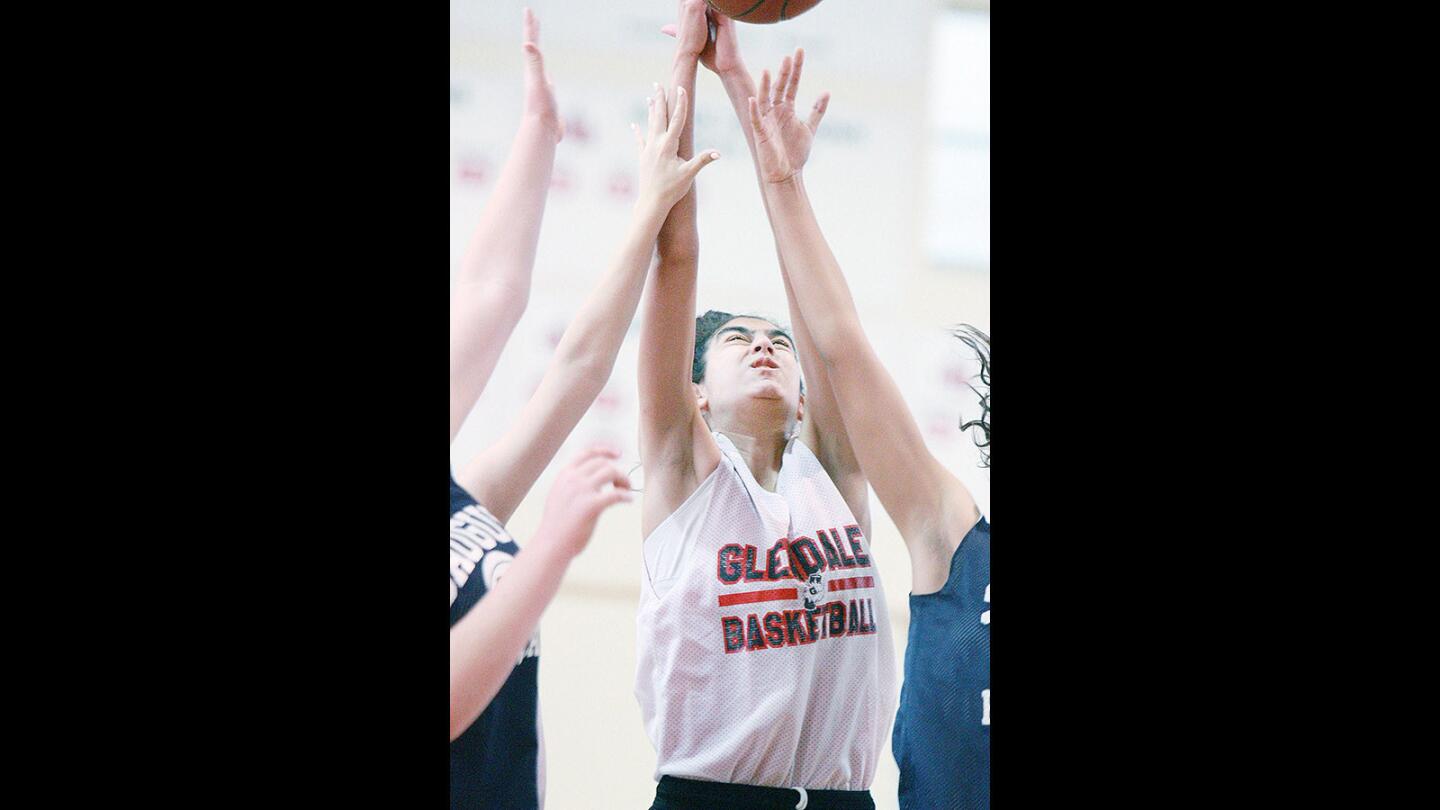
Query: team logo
{"type": "Point", "coordinates": [494, 567]}
{"type": "Point", "coordinates": [812, 592]}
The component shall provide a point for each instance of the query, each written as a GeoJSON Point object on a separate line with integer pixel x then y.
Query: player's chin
{"type": "Point", "coordinates": [767, 390]}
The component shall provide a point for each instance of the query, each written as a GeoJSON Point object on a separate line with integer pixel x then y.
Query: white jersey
{"type": "Point", "coordinates": [765, 652]}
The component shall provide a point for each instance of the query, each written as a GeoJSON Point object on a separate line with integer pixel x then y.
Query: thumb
{"type": "Point", "coordinates": [819, 111]}
{"type": "Point", "coordinates": [693, 166]}
{"type": "Point", "coordinates": [668, 30]}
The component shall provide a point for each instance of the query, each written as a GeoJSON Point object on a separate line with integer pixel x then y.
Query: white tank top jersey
{"type": "Point", "coordinates": [764, 649]}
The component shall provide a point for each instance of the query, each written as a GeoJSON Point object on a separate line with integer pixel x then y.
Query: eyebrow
{"type": "Point", "coordinates": [750, 333]}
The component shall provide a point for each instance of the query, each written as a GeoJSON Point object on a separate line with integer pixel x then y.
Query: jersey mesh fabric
{"type": "Point", "coordinates": [942, 734]}
{"type": "Point", "coordinates": [806, 698]}
{"type": "Point", "coordinates": [499, 760]}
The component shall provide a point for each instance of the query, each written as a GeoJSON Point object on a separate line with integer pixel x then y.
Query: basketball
{"type": "Point", "coordinates": [762, 11]}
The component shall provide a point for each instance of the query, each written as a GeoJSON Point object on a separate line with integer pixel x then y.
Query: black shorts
{"type": "Point", "coordinates": [692, 794]}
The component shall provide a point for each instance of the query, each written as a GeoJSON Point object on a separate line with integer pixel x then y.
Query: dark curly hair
{"type": "Point", "coordinates": [979, 342]}
{"type": "Point", "coordinates": [705, 327]}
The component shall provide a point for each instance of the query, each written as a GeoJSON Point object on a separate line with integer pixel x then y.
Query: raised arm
{"type": "Point", "coordinates": [494, 279]}
{"type": "Point", "coordinates": [929, 505]}
{"type": "Point", "coordinates": [501, 476]}
{"type": "Point", "coordinates": [675, 446]}
{"type": "Point", "coordinates": [823, 429]}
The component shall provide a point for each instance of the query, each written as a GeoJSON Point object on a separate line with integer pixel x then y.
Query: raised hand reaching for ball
{"type": "Point", "coordinates": [782, 140]}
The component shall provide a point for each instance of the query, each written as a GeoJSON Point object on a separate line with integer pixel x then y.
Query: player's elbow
{"type": "Point", "coordinates": [498, 300]}
{"type": "Point", "coordinates": [683, 253]}
{"type": "Point", "coordinates": [829, 347]}
{"type": "Point", "coordinates": [836, 341]}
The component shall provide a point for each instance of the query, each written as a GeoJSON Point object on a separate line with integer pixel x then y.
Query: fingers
{"type": "Point", "coordinates": [662, 100]}
{"type": "Point", "coordinates": [534, 61]}
{"type": "Point", "coordinates": [795, 77]}
{"type": "Point", "coordinates": [614, 496]}
{"type": "Point", "coordinates": [668, 30]}
{"type": "Point", "coordinates": [608, 473]}
{"type": "Point", "coordinates": [595, 474]}
{"type": "Point", "coordinates": [694, 19]}
{"type": "Point", "coordinates": [677, 118]}
{"type": "Point", "coordinates": [599, 472]}
{"type": "Point", "coordinates": [532, 27]}
{"type": "Point", "coordinates": [764, 91]}
{"type": "Point", "coordinates": [693, 166]}
{"type": "Point", "coordinates": [781, 83]}
{"type": "Point", "coordinates": [655, 125]}
{"type": "Point", "coordinates": [755, 125]}
{"type": "Point", "coordinates": [821, 104]}
{"type": "Point", "coordinates": [592, 453]}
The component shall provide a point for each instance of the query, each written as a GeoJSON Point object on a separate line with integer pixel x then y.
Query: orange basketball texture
{"type": "Point", "coordinates": [762, 11]}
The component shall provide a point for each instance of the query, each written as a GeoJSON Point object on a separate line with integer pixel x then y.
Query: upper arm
{"type": "Point", "coordinates": [823, 429]}
{"type": "Point", "coordinates": [676, 447]}
{"type": "Point", "coordinates": [923, 498]}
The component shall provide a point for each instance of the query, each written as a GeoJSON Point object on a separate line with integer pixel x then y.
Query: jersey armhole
{"type": "Point", "coordinates": [659, 553]}
{"type": "Point", "coordinates": [953, 555]}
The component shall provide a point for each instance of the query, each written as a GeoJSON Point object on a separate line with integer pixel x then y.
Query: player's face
{"type": "Point", "coordinates": [751, 358]}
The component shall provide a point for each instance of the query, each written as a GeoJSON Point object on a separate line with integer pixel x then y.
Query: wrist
{"type": "Point", "coordinates": [737, 84]}
{"type": "Point", "coordinates": [551, 547]}
{"type": "Point", "coordinates": [650, 210]}
{"type": "Point", "coordinates": [540, 123]}
{"type": "Point", "coordinates": [794, 184]}
{"type": "Point", "coordinates": [734, 74]}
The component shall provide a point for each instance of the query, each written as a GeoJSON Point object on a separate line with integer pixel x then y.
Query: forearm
{"type": "Point", "coordinates": [740, 88]}
{"type": "Point", "coordinates": [485, 644]}
{"type": "Point", "coordinates": [573, 378]}
{"type": "Point", "coordinates": [667, 331]}
{"type": "Point", "coordinates": [811, 270]}
{"type": "Point", "coordinates": [502, 251]}
{"type": "Point", "coordinates": [588, 349]}
{"type": "Point", "coordinates": [679, 239]}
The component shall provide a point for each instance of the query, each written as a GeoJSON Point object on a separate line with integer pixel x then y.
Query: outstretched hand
{"type": "Point", "coordinates": [694, 34]}
{"type": "Point", "coordinates": [539, 92]}
{"type": "Point", "coordinates": [664, 177]}
{"type": "Point", "coordinates": [707, 35]}
{"type": "Point", "coordinates": [782, 140]}
{"type": "Point", "coordinates": [587, 486]}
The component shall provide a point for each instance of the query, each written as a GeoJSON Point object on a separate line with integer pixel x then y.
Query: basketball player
{"type": "Point", "coordinates": [942, 732]}
{"type": "Point", "coordinates": [496, 758]}
{"type": "Point", "coordinates": [766, 665]}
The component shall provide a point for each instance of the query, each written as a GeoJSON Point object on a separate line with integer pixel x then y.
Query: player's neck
{"type": "Point", "coordinates": [763, 451]}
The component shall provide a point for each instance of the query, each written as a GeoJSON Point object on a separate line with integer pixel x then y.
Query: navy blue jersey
{"type": "Point", "coordinates": [496, 761]}
{"type": "Point", "coordinates": [942, 731]}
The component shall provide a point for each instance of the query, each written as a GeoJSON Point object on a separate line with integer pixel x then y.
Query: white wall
{"type": "Point", "coordinates": [872, 178]}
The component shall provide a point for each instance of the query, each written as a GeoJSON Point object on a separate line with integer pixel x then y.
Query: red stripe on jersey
{"type": "Point", "coordinates": [758, 596]}
{"type": "Point", "coordinates": [852, 583]}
